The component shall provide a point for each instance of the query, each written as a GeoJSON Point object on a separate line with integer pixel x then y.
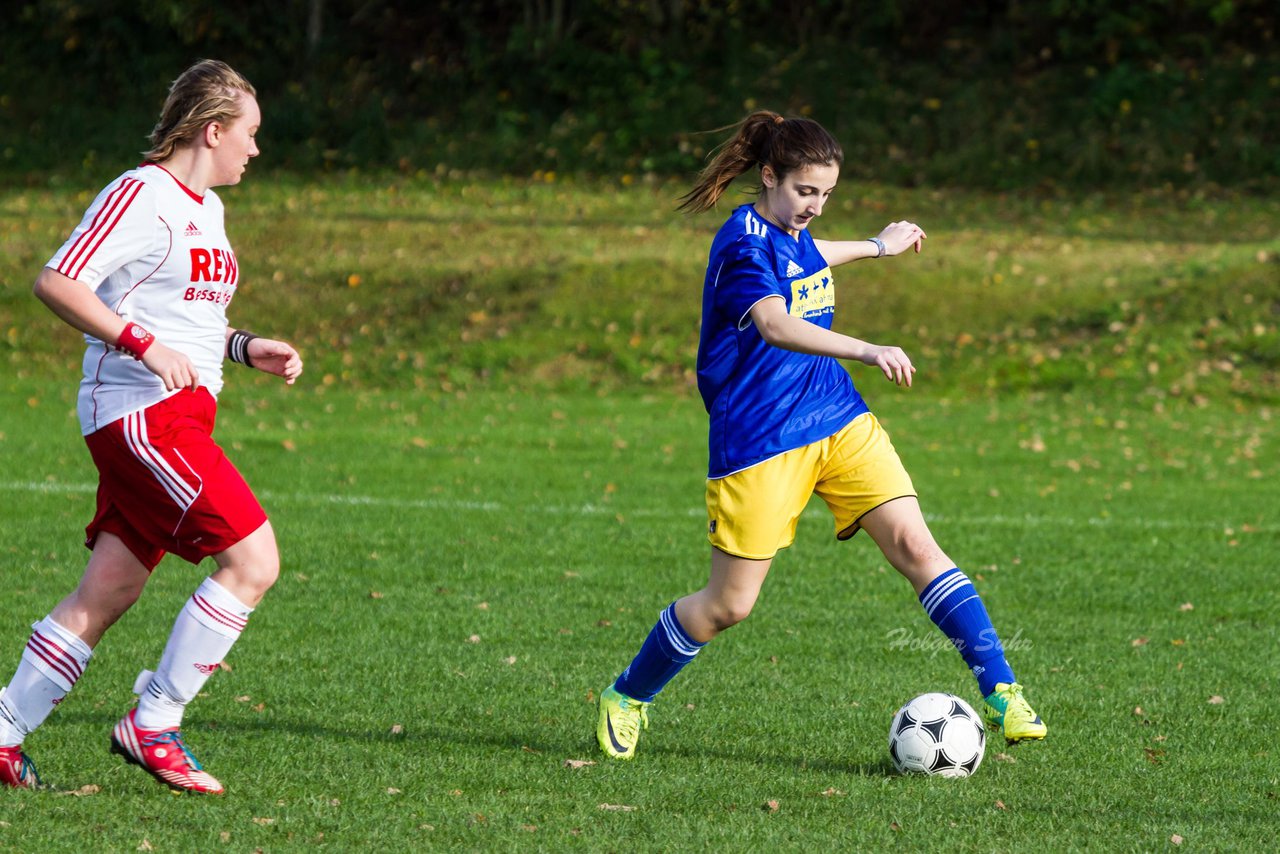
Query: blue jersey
{"type": "Point", "coordinates": [763, 400]}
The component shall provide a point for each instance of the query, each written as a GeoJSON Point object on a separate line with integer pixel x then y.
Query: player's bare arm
{"type": "Point", "coordinates": [780, 329]}
{"type": "Point", "coordinates": [897, 238]}
{"type": "Point", "coordinates": [76, 304]}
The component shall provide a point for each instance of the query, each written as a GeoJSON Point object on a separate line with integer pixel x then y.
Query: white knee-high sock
{"type": "Point", "coordinates": [203, 634]}
{"type": "Point", "coordinates": [50, 666]}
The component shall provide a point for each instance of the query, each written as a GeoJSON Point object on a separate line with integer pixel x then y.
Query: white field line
{"type": "Point", "coordinates": [590, 509]}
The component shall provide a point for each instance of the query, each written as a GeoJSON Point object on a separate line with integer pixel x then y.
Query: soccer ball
{"type": "Point", "coordinates": [937, 734]}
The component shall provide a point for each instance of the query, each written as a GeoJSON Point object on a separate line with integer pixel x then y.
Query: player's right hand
{"type": "Point", "coordinates": [173, 368]}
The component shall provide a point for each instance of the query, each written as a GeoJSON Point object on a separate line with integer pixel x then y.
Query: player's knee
{"type": "Point", "coordinates": [730, 613]}
{"type": "Point", "coordinates": [123, 596]}
{"type": "Point", "coordinates": [262, 574]}
{"type": "Point", "coordinates": [913, 553]}
{"type": "Point", "coordinates": [268, 575]}
{"type": "Point", "coordinates": [250, 575]}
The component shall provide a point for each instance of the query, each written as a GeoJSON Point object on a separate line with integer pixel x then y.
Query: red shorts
{"type": "Point", "coordinates": [164, 485]}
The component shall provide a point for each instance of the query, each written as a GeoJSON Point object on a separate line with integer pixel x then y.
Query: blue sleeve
{"type": "Point", "coordinates": [746, 276]}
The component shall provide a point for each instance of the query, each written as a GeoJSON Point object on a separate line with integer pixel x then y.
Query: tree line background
{"type": "Point", "coordinates": [1014, 93]}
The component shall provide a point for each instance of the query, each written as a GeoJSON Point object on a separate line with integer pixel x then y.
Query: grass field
{"type": "Point", "coordinates": [489, 483]}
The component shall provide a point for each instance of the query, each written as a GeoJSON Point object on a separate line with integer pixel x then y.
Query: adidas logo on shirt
{"type": "Point", "coordinates": [192, 231]}
{"type": "Point", "coordinates": [794, 269]}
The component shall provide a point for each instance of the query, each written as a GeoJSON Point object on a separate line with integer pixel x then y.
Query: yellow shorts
{"type": "Point", "coordinates": [753, 513]}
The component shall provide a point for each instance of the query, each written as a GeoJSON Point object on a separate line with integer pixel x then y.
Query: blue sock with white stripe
{"type": "Point", "coordinates": [664, 653]}
{"type": "Point", "coordinates": [955, 607]}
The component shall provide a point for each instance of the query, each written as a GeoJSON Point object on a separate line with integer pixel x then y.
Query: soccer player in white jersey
{"type": "Point", "coordinates": [786, 422]}
{"type": "Point", "coordinates": [147, 277]}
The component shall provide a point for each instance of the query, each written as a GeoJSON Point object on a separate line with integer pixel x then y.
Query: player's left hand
{"type": "Point", "coordinates": [275, 357]}
{"type": "Point", "coordinates": [898, 237]}
{"type": "Point", "coordinates": [894, 363]}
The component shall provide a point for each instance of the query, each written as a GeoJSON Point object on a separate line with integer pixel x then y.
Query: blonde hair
{"type": "Point", "coordinates": [764, 138]}
{"type": "Point", "coordinates": [208, 91]}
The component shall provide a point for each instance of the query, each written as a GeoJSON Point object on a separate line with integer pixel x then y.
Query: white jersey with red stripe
{"type": "Point", "coordinates": [156, 254]}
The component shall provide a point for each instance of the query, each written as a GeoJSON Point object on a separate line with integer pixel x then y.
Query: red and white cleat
{"type": "Point", "coordinates": [162, 754]}
{"type": "Point", "coordinates": [17, 771]}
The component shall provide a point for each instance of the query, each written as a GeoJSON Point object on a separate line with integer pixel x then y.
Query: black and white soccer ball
{"type": "Point", "coordinates": [937, 734]}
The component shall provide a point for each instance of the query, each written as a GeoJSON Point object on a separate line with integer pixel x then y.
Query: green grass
{"type": "Point", "coordinates": [478, 533]}
{"type": "Point", "coordinates": [431, 285]}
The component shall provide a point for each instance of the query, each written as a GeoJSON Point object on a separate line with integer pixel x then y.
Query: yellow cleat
{"type": "Point", "coordinates": [621, 719]}
{"type": "Point", "coordinates": [1009, 712]}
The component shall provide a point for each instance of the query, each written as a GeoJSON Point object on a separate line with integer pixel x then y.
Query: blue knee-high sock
{"type": "Point", "coordinates": [955, 607]}
{"type": "Point", "coordinates": [664, 653]}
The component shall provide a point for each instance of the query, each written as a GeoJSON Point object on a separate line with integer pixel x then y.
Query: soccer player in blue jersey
{"type": "Point", "coordinates": [786, 422]}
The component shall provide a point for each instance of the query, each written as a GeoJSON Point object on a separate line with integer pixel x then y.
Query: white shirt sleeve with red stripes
{"type": "Point", "coordinates": [118, 228]}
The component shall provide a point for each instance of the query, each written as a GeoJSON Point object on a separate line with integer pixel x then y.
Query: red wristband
{"type": "Point", "coordinates": [135, 340]}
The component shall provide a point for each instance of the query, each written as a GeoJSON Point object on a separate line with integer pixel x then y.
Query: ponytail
{"type": "Point", "coordinates": [763, 138]}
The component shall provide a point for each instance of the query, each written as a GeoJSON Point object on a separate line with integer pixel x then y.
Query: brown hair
{"type": "Point", "coordinates": [763, 138]}
{"type": "Point", "coordinates": [208, 91]}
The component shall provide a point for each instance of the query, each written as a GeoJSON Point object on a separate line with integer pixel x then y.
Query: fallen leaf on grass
{"type": "Point", "coordinates": [397, 729]}
{"type": "Point", "coordinates": [578, 763]}
{"type": "Point", "coordinates": [89, 789]}
{"type": "Point", "coordinates": [1140, 641]}
{"type": "Point", "coordinates": [145, 846]}
{"type": "Point", "coordinates": [617, 808]}
{"type": "Point", "coordinates": [510, 659]}
{"type": "Point", "coordinates": [826, 793]}
{"type": "Point", "coordinates": [225, 836]}
{"type": "Point", "coordinates": [374, 594]}
{"type": "Point", "coordinates": [483, 606]}
{"type": "Point", "coordinates": [893, 825]}
{"type": "Point", "coordinates": [264, 821]}
{"type": "Point", "coordinates": [529, 828]}
{"type": "Point", "coordinates": [1176, 839]}
{"type": "Point", "coordinates": [1004, 757]}
{"type": "Point", "coordinates": [473, 639]}
{"type": "Point", "coordinates": [769, 806]}
{"type": "Point", "coordinates": [392, 791]}
{"type": "Point", "coordinates": [1186, 606]}
{"type": "Point", "coordinates": [1154, 754]}
{"type": "Point", "coordinates": [1000, 805]}
{"type": "Point", "coordinates": [1216, 700]}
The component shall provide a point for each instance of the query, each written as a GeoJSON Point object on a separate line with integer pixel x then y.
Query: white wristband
{"type": "Point", "coordinates": [879, 246]}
